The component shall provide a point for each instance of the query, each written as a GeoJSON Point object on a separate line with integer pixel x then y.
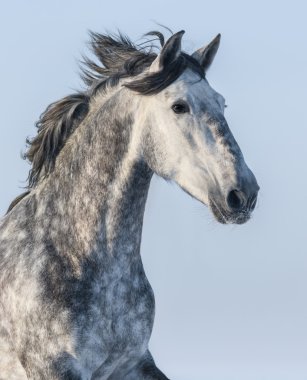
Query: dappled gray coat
{"type": "Point", "coordinates": [75, 303]}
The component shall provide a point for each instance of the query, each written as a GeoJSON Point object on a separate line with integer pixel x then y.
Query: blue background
{"type": "Point", "coordinates": [231, 300]}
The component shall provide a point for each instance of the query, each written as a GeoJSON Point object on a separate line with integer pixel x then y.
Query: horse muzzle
{"type": "Point", "coordinates": [236, 207]}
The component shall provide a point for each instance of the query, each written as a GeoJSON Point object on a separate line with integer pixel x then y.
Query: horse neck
{"type": "Point", "coordinates": [98, 190]}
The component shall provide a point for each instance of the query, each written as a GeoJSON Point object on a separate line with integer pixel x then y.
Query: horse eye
{"type": "Point", "coordinates": [180, 107]}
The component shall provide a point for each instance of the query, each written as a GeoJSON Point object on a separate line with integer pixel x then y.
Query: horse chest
{"type": "Point", "coordinates": [119, 321]}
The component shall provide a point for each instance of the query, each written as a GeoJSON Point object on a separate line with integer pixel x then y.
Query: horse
{"type": "Point", "coordinates": [75, 303]}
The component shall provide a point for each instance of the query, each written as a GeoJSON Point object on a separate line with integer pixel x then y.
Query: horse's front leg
{"type": "Point", "coordinates": [145, 370]}
{"type": "Point", "coordinates": [50, 366]}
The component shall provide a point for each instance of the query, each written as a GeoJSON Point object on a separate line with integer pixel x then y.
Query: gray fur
{"type": "Point", "coordinates": [75, 302]}
{"type": "Point", "coordinates": [92, 300]}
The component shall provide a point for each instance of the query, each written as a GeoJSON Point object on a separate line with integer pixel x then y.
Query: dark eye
{"type": "Point", "coordinates": [180, 107]}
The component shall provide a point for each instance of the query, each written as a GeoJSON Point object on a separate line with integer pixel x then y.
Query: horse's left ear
{"type": "Point", "coordinates": [169, 53]}
{"type": "Point", "coordinates": [205, 55]}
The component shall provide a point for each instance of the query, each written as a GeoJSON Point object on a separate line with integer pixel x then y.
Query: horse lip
{"type": "Point", "coordinates": [216, 211]}
{"type": "Point", "coordinates": [224, 217]}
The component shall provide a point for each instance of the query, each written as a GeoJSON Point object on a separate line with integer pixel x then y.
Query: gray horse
{"type": "Point", "coordinates": [75, 302]}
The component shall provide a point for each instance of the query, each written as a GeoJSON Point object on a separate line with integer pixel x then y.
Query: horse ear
{"type": "Point", "coordinates": [169, 53]}
{"type": "Point", "coordinates": [205, 55]}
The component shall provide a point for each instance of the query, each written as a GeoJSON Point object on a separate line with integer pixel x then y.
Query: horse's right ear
{"type": "Point", "coordinates": [205, 55]}
{"type": "Point", "coordinates": [169, 53]}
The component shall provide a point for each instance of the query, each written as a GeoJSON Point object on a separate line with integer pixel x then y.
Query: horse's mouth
{"type": "Point", "coordinates": [225, 217]}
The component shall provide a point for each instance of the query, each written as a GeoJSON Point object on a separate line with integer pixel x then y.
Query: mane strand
{"type": "Point", "coordinates": [117, 56]}
{"type": "Point", "coordinates": [54, 127]}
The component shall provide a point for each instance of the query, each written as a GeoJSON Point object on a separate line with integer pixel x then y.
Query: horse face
{"type": "Point", "coordinates": [188, 141]}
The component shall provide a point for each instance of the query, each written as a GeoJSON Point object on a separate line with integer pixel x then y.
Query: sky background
{"type": "Point", "coordinates": [230, 300]}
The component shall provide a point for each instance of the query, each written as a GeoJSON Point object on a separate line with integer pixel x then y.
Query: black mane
{"type": "Point", "coordinates": [118, 58]}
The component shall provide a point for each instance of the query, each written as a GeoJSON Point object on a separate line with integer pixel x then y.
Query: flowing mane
{"type": "Point", "coordinates": [118, 57]}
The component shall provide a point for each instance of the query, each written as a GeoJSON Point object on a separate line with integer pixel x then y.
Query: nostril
{"type": "Point", "coordinates": [235, 200]}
